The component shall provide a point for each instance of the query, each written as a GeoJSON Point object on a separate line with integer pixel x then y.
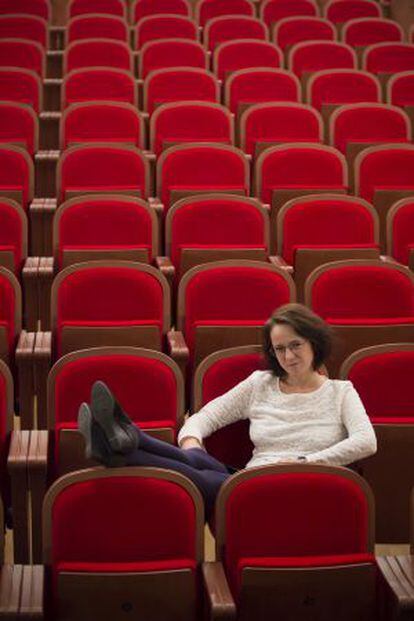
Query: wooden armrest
{"type": "Point", "coordinates": [50, 155]}
{"type": "Point", "coordinates": [267, 206]}
{"type": "Point", "coordinates": [24, 359]}
{"type": "Point", "coordinates": [11, 578]}
{"type": "Point", "coordinates": [25, 345]}
{"type": "Point", "coordinates": [219, 598]}
{"type": "Point", "coordinates": [166, 268]}
{"type": "Point", "coordinates": [18, 451]}
{"type": "Point", "coordinates": [150, 156]}
{"type": "Point", "coordinates": [50, 115]}
{"type": "Point", "coordinates": [42, 364]}
{"type": "Point", "coordinates": [177, 346]}
{"type": "Point", "coordinates": [386, 258]}
{"type": "Point", "coordinates": [43, 345]}
{"type": "Point", "coordinates": [37, 456]}
{"type": "Point", "coordinates": [278, 261]}
{"type": "Point", "coordinates": [37, 466]}
{"type": "Point", "coordinates": [398, 580]}
{"type": "Point", "coordinates": [17, 468]}
{"type": "Point", "coordinates": [32, 592]}
{"type": "Point", "coordinates": [31, 301]}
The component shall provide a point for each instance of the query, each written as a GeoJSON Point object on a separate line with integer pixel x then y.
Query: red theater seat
{"type": "Point", "coordinates": [367, 302]}
{"type": "Point", "coordinates": [97, 26]}
{"type": "Point", "coordinates": [145, 8]}
{"type": "Point", "coordinates": [107, 7]}
{"type": "Point", "coordinates": [16, 174]}
{"type": "Point", "coordinates": [271, 11]}
{"type": "Point", "coordinates": [368, 31]}
{"type": "Point", "coordinates": [266, 124]}
{"type": "Point", "coordinates": [13, 236]}
{"type": "Point", "coordinates": [196, 168]}
{"type": "Point", "coordinates": [98, 83]}
{"type": "Point", "coordinates": [291, 30]}
{"type": "Point", "coordinates": [208, 9]}
{"type": "Point", "coordinates": [243, 53]}
{"type": "Point", "coordinates": [40, 8]}
{"type": "Point", "coordinates": [164, 26]}
{"type": "Point", "coordinates": [250, 86]}
{"type": "Point", "coordinates": [21, 86]}
{"type": "Point", "coordinates": [19, 126]}
{"type": "Point", "coordinates": [400, 232]}
{"type": "Point", "coordinates": [340, 11]}
{"type": "Point", "coordinates": [228, 27]}
{"type": "Point", "coordinates": [190, 121]}
{"type": "Point", "coordinates": [163, 53]}
{"type": "Point", "coordinates": [179, 84]}
{"type": "Point", "coordinates": [97, 53]}
{"type": "Point", "coordinates": [384, 59]}
{"type": "Point", "coordinates": [400, 91]}
{"type": "Point", "coordinates": [23, 26]}
{"type": "Point", "coordinates": [24, 54]}
{"type": "Point", "coordinates": [382, 376]}
{"type": "Point", "coordinates": [312, 56]}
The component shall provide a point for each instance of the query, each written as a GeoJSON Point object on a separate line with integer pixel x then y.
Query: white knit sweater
{"type": "Point", "coordinates": [328, 425]}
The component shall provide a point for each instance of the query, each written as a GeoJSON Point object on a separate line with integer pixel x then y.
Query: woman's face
{"type": "Point", "coordinates": [293, 352]}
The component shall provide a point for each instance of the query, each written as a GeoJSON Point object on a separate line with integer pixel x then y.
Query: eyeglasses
{"type": "Point", "coordinates": [294, 347]}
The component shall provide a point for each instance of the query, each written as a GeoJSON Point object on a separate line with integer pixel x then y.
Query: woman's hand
{"type": "Point", "coordinates": [189, 443]}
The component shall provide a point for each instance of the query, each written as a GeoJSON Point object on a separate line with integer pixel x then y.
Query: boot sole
{"type": "Point", "coordinates": [102, 407]}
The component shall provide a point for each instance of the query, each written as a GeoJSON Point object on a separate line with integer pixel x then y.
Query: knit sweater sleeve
{"type": "Point", "coordinates": [222, 411]}
{"type": "Point", "coordinates": [361, 441]}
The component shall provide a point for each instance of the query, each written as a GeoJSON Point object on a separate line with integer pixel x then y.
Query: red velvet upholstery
{"type": "Point", "coordinates": [218, 296]}
{"type": "Point", "coordinates": [385, 168]}
{"type": "Point", "coordinates": [232, 444]}
{"type": "Point", "coordinates": [40, 8]}
{"type": "Point", "coordinates": [402, 241]}
{"type": "Point", "coordinates": [279, 122]}
{"type": "Point", "coordinates": [108, 296]}
{"type": "Point", "coordinates": [18, 125]}
{"type": "Point", "coordinates": [229, 27]}
{"type": "Point", "coordinates": [367, 31]}
{"type": "Point", "coordinates": [96, 26]}
{"type": "Point", "coordinates": [312, 56]}
{"type": "Point", "coordinates": [110, 7]}
{"type": "Point", "coordinates": [342, 86]}
{"type": "Point", "coordinates": [102, 122]}
{"type": "Point", "coordinates": [101, 223]}
{"type": "Point", "coordinates": [164, 27]}
{"type": "Point", "coordinates": [291, 30]}
{"type": "Point", "coordinates": [163, 53]}
{"type": "Point", "coordinates": [144, 8]}
{"type": "Point", "coordinates": [98, 53]}
{"type": "Point", "coordinates": [176, 84]}
{"type": "Point", "coordinates": [22, 53]}
{"type": "Point", "coordinates": [243, 53]}
{"type": "Point", "coordinates": [20, 85]}
{"type": "Point", "coordinates": [368, 123]}
{"type": "Point", "coordinates": [400, 89]}
{"type": "Point", "coordinates": [339, 11]}
{"type": "Point", "coordinates": [271, 11]}
{"type": "Point", "coordinates": [302, 515]}
{"type": "Point", "coordinates": [181, 122]}
{"type": "Point", "coordinates": [326, 223]}
{"type": "Point", "coordinates": [389, 58]}
{"type": "Point", "coordinates": [24, 27]}
{"type": "Point", "coordinates": [363, 294]}
{"type": "Point", "coordinates": [215, 223]}
{"type": "Point", "coordinates": [109, 168]}
{"type": "Point", "coordinates": [201, 167]}
{"type": "Point", "coordinates": [7, 309]}
{"type": "Point", "coordinates": [208, 9]}
{"type": "Point", "coordinates": [101, 83]}
{"type": "Point", "coordinates": [259, 85]}
{"type": "Point", "coordinates": [16, 172]}
{"type": "Point", "coordinates": [384, 383]}
{"type": "Point", "coordinates": [11, 232]}
{"type": "Point", "coordinates": [301, 166]}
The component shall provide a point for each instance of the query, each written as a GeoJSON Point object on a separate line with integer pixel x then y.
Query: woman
{"type": "Point", "coordinates": [295, 413]}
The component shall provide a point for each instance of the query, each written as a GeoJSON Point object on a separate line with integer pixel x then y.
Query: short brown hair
{"type": "Point", "coordinates": [306, 324]}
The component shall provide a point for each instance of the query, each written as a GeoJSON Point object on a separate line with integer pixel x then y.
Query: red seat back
{"type": "Point", "coordinates": [97, 26]}
{"type": "Point", "coordinates": [400, 230]}
{"type": "Point", "coordinates": [20, 26]}
{"type": "Point", "coordinates": [100, 83]}
{"type": "Point", "coordinates": [144, 8]}
{"type": "Point", "coordinates": [389, 58]}
{"type": "Point", "coordinates": [226, 28]}
{"type": "Point", "coordinates": [250, 86]}
{"type": "Point", "coordinates": [384, 168]}
{"type": "Point", "coordinates": [342, 86]}
{"type": "Point", "coordinates": [291, 30]}
{"type": "Point", "coordinates": [312, 56]}
{"type": "Point", "coordinates": [163, 53]}
{"type": "Point", "coordinates": [107, 7]}
{"type": "Point", "coordinates": [368, 31]}
{"type": "Point", "coordinates": [339, 11]}
{"type": "Point", "coordinates": [164, 27]}
{"type": "Point", "coordinates": [271, 11]}
{"type": "Point", "coordinates": [208, 9]}
{"type": "Point", "coordinates": [243, 53]}
{"type": "Point", "coordinates": [97, 53]}
{"type": "Point", "coordinates": [39, 8]}
{"type": "Point", "coordinates": [22, 53]}
{"type": "Point", "coordinates": [179, 84]}
{"type": "Point", "coordinates": [19, 125]}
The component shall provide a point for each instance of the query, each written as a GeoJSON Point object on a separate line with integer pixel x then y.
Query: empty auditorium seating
{"type": "Point", "coordinates": [149, 386]}
{"type": "Point", "coordinates": [164, 27]}
{"type": "Point", "coordinates": [29, 27]}
{"type": "Point", "coordinates": [265, 124]}
{"type": "Point", "coordinates": [368, 31]}
{"type": "Point", "coordinates": [97, 53]}
{"type": "Point", "coordinates": [382, 376]}
{"type": "Point", "coordinates": [291, 30]}
{"type": "Point", "coordinates": [217, 374]}
{"type": "Point", "coordinates": [144, 8]}
{"type": "Point", "coordinates": [340, 11]}
{"type": "Point", "coordinates": [226, 28]}
{"type": "Point", "coordinates": [271, 11]}
{"type": "Point", "coordinates": [314, 546]}
{"type": "Point", "coordinates": [311, 56]}
{"type": "Point", "coordinates": [319, 228]}
{"type": "Point", "coordinates": [400, 91]}
{"type": "Point", "coordinates": [16, 174]}
{"type": "Point", "coordinates": [179, 84]}
{"type": "Point", "coordinates": [384, 59]}
{"type": "Point", "coordinates": [156, 573]}
{"type": "Point", "coordinates": [208, 9]}
{"type": "Point", "coordinates": [211, 227]}
{"type": "Point", "coordinates": [383, 174]}
{"type": "Point", "coordinates": [96, 26]}
{"type": "Point", "coordinates": [163, 53]}
{"type": "Point", "coordinates": [225, 304]}
{"type": "Point", "coordinates": [105, 167]}
{"type": "Point", "coordinates": [98, 83]}
{"type": "Point", "coordinates": [367, 302]}
{"type": "Point", "coordinates": [22, 53]}
{"type": "Point", "coordinates": [19, 125]}
{"type": "Point", "coordinates": [13, 236]}
{"type": "Point", "coordinates": [400, 231]}
{"type": "Point", "coordinates": [250, 86]}
{"type": "Point", "coordinates": [21, 85]}
{"type": "Point", "coordinates": [192, 121]}
{"type": "Point", "coordinates": [292, 169]}
{"type": "Point", "coordinates": [107, 7]}
{"type": "Point", "coordinates": [41, 8]}
{"type": "Point", "coordinates": [243, 53]}
{"type": "Point", "coordinates": [184, 170]}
